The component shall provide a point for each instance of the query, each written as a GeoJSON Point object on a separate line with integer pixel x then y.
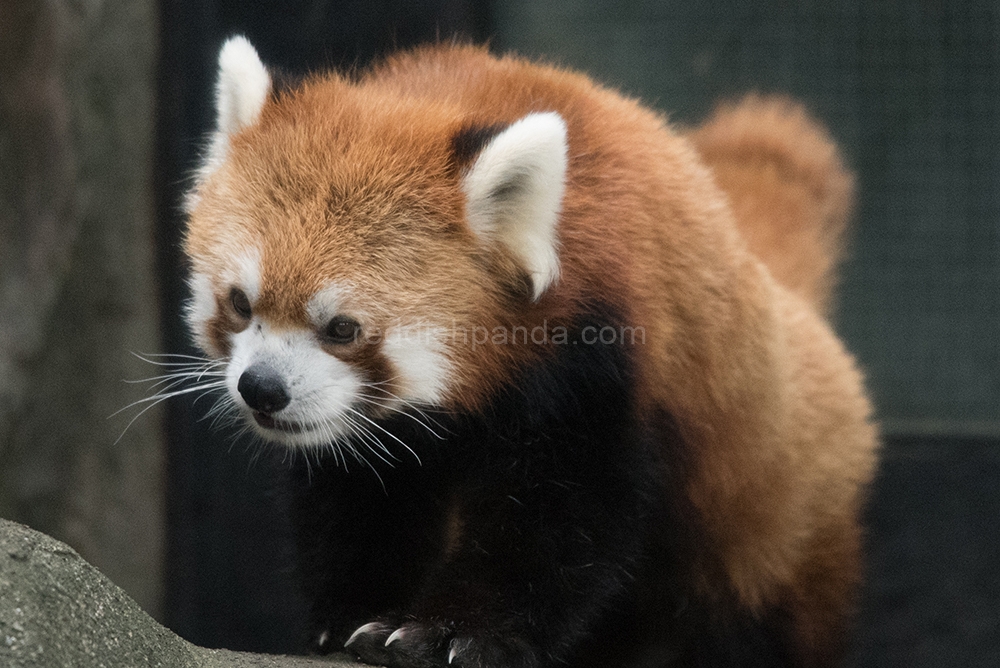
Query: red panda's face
{"type": "Point", "coordinates": [345, 251]}
{"type": "Point", "coordinates": [327, 310]}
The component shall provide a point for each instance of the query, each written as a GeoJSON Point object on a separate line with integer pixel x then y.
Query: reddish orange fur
{"type": "Point", "coordinates": [770, 406]}
{"type": "Point", "coordinates": [790, 192]}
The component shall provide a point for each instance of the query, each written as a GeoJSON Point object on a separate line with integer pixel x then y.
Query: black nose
{"type": "Point", "coordinates": [263, 389]}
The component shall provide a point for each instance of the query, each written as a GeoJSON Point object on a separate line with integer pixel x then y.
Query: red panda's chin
{"type": "Point", "coordinates": [293, 434]}
{"type": "Point", "coordinates": [268, 422]}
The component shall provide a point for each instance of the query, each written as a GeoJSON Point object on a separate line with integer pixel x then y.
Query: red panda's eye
{"type": "Point", "coordinates": [341, 329]}
{"type": "Point", "coordinates": [240, 303]}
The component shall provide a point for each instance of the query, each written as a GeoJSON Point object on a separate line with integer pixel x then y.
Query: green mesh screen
{"type": "Point", "coordinates": [910, 89]}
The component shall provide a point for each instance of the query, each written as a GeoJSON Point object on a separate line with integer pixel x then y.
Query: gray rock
{"type": "Point", "coordinates": [58, 610]}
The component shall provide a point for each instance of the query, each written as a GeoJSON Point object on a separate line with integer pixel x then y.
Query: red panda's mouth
{"type": "Point", "coordinates": [268, 422]}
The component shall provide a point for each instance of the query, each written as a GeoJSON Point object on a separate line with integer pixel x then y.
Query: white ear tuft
{"type": "Point", "coordinates": [243, 85]}
{"type": "Point", "coordinates": [514, 192]}
{"type": "Point", "coordinates": [240, 94]}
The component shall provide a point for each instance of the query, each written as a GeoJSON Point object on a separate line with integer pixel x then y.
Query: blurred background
{"type": "Point", "coordinates": [105, 104]}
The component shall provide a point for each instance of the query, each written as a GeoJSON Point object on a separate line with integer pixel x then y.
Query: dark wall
{"type": "Point", "coordinates": [932, 591]}
{"type": "Point", "coordinates": [229, 581]}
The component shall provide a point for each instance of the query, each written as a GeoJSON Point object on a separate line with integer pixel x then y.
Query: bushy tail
{"type": "Point", "coordinates": [789, 189]}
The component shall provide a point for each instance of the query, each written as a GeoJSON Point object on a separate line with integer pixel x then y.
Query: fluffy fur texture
{"type": "Point", "coordinates": [787, 186]}
{"type": "Point", "coordinates": [568, 366]}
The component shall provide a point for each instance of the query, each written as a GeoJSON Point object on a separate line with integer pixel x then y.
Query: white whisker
{"type": "Point", "coordinates": [404, 402]}
{"type": "Point", "coordinates": [186, 374]}
{"type": "Point", "coordinates": [162, 396]}
{"type": "Point", "coordinates": [387, 432]}
{"type": "Point", "coordinates": [374, 445]}
{"type": "Point", "coordinates": [351, 433]}
{"type": "Point", "coordinates": [378, 402]}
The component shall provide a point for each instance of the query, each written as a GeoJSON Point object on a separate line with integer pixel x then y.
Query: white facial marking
{"type": "Point", "coordinates": [327, 303]}
{"type": "Point", "coordinates": [418, 356]}
{"type": "Point", "coordinates": [322, 389]}
{"type": "Point", "coordinates": [415, 350]}
{"type": "Point", "coordinates": [243, 272]}
{"type": "Point", "coordinates": [327, 397]}
{"type": "Point", "coordinates": [514, 193]}
{"type": "Point", "coordinates": [199, 309]}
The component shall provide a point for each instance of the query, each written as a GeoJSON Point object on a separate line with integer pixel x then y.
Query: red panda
{"type": "Point", "coordinates": [564, 368]}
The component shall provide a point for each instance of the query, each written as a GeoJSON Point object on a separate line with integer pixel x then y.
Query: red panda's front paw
{"type": "Point", "coordinates": [415, 644]}
{"type": "Point", "coordinates": [411, 645]}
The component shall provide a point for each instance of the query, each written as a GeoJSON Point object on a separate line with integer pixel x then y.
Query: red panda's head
{"type": "Point", "coordinates": [349, 247]}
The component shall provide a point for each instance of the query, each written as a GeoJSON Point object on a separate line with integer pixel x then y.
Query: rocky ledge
{"type": "Point", "coordinates": [58, 610]}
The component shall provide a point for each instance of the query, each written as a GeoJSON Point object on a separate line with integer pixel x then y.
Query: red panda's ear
{"type": "Point", "coordinates": [240, 93]}
{"type": "Point", "coordinates": [242, 88]}
{"type": "Point", "coordinates": [514, 190]}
